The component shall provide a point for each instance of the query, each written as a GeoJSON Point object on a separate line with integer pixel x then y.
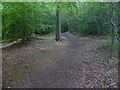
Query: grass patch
{"type": "Point", "coordinates": [103, 59]}
{"type": "Point", "coordinates": [86, 42]}
{"type": "Point", "coordinates": [17, 73]}
{"type": "Point", "coordinates": [106, 43]}
{"type": "Point", "coordinates": [40, 41]}
{"type": "Point", "coordinates": [48, 36]}
{"type": "Point", "coordinates": [107, 59]}
{"type": "Point", "coordinates": [38, 57]}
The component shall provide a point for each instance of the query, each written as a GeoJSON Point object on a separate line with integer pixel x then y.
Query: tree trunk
{"type": "Point", "coordinates": [23, 27]}
{"type": "Point", "coordinates": [114, 30]}
{"type": "Point", "coordinates": [58, 30]}
{"type": "Point", "coordinates": [68, 23]}
{"type": "Point", "coordinates": [97, 25]}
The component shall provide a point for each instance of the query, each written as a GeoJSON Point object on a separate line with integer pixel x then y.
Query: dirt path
{"type": "Point", "coordinates": [76, 64]}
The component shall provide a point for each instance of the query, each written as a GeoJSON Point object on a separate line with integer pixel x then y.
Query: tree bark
{"type": "Point", "coordinates": [58, 30]}
{"type": "Point", "coordinates": [114, 30]}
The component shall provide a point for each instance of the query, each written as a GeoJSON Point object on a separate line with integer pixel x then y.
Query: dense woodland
{"type": "Point", "coordinates": [27, 21]}
{"type": "Point", "coordinates": [21, 20]}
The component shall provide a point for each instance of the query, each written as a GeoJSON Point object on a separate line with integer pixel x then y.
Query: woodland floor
{"type": "Point", "coordinates": [76, 62]}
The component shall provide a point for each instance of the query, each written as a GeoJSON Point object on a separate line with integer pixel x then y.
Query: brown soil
{"type": "Point", "coordinates": [73, 63]}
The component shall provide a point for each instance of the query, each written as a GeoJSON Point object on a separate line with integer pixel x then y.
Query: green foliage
{"type": "Point", "coordinates": [89, 18]}
{"type": "Point", "coordinates": [106, 43]}
{"type": "Point", "coordinates": [21, 20]}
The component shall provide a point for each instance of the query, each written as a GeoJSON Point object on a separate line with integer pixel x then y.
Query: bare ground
{"type": "Point", "coordinates": [72, 63]}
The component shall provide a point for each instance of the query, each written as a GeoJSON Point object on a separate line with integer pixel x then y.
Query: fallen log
{"type": "Point", "coordinates": [12, 43]}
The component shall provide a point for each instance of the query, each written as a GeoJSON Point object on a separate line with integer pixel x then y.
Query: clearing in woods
{"type": "Point", "coordinates": [76, 62]}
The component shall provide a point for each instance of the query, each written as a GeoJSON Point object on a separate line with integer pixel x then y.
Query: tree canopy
{"type": "Point", "coordinates": [23, 19]}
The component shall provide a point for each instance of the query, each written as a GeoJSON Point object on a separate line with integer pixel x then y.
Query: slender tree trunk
{"type": "Point", "coordinates": [97, 25]}
{"type": "Point", "coordinates": [23, 27]}
{"type": "Point", "coordinates": [68, 24]}
{"type": "Point", "coordinates": [68, 21]}
{"type": "Point", "coordinates": [112, 42]}
{"type": "Point", "coordinates": [114, 30]}
{"type": "Point", "coordinates": [58, 30]}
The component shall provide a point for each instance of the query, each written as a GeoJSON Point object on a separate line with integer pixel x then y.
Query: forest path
{"type": "Point", "coordinates": [75, 64]}
{"type": "Point", "coordinates": [65, 72]}
{"type": "Point", "coordinates": [77, 68]}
